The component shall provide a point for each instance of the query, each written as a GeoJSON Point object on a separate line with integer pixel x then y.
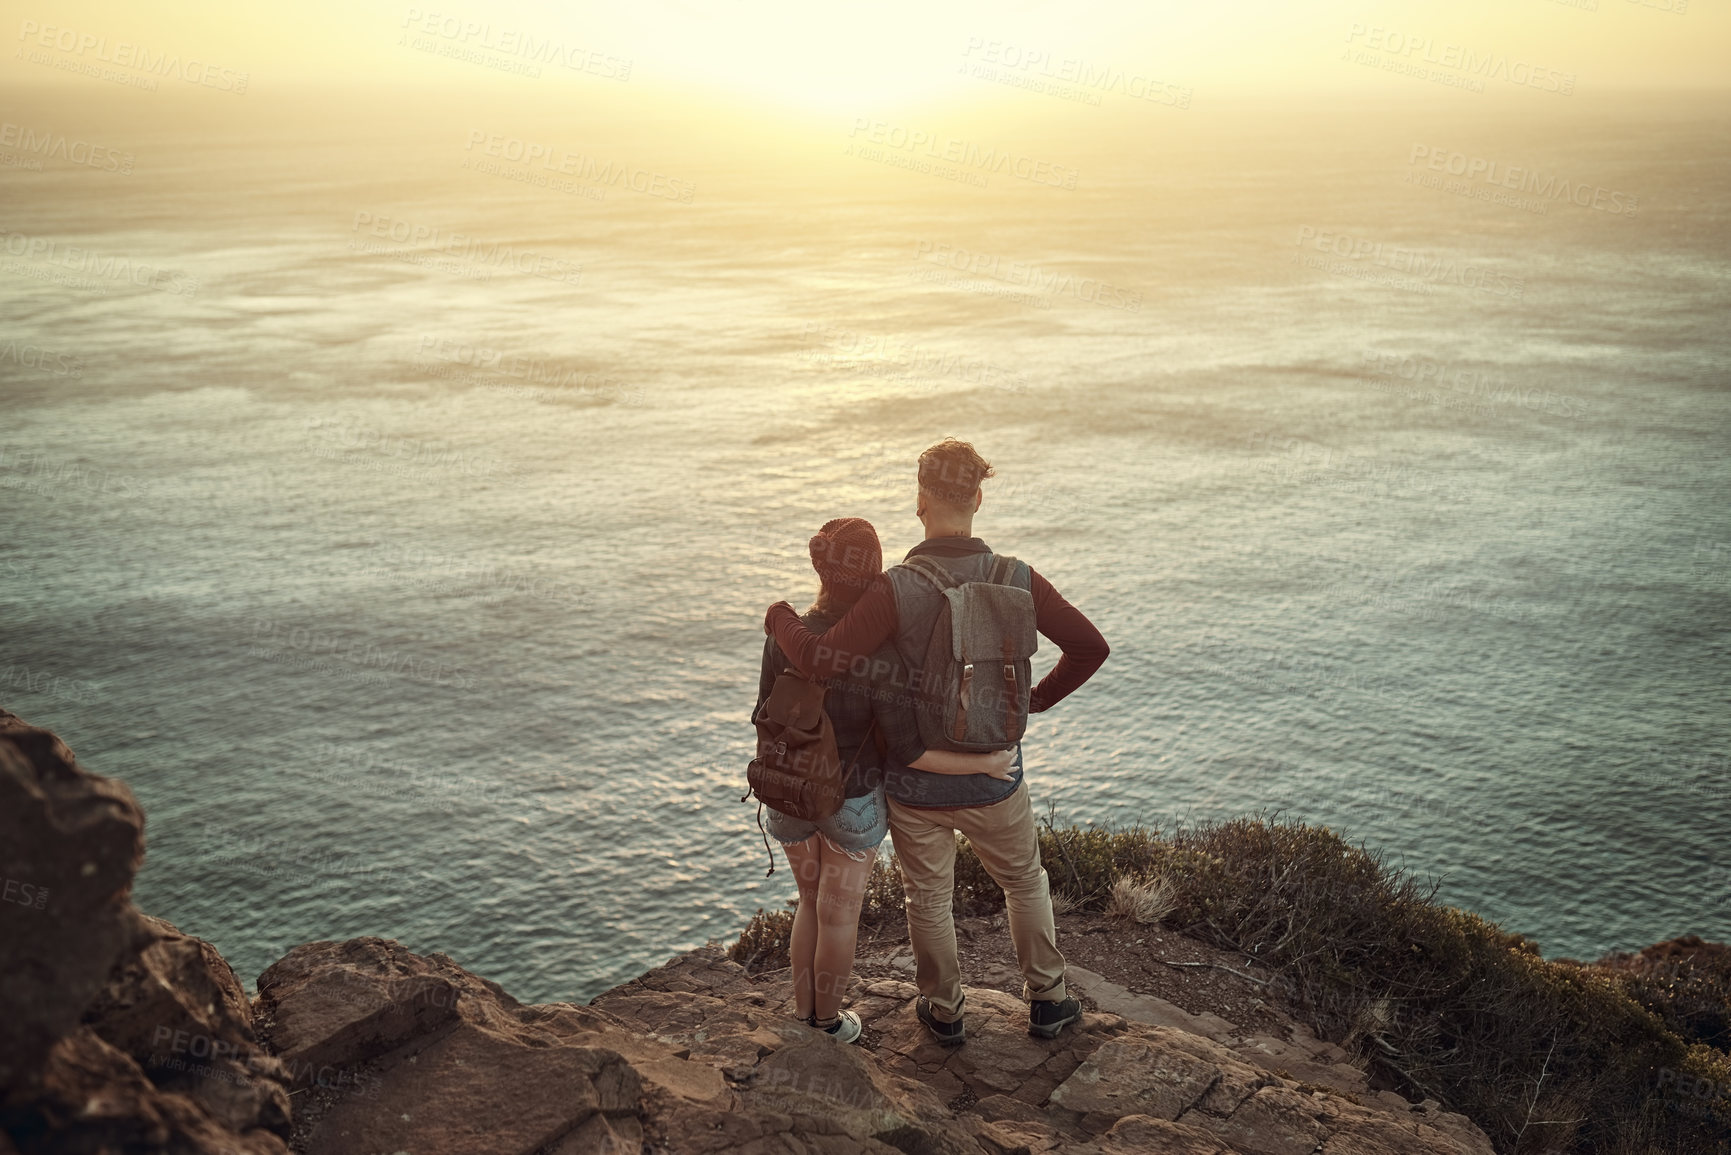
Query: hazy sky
{"type": "Point", "coordinates": [826, 56]}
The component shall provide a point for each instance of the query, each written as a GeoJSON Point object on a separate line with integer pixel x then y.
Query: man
{"type": "Point", "coordinates": [926, 810]}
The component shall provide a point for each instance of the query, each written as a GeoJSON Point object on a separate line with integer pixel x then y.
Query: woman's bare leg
{"type": "Point", "coordinates": [841, 890]}
{"type": "Point", "coordinates": [804, 860]}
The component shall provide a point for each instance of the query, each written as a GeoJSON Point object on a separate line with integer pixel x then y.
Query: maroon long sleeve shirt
{"type": "Point", "coordinates": [872, 621]}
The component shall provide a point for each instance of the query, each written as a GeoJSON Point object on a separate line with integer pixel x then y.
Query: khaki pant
{"type": "Point", "coordinates": [1004, 838]}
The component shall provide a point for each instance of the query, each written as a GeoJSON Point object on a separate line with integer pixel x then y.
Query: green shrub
{"type": "Point", "coordinates": [762, 946]}
{"type": "Point", "coordinates": [1543, 1055]}
{"type": "Point", "coordinates": [1687, 983]}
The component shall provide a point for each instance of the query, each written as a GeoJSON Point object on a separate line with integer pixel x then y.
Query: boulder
{"type": "Point", "coordinates": [1144, 1133]}
{"type": "Point", "coordinates": [1115, 999]}
{"type": "Point", "coordinates": [1140, 1074]}
{"type": "Point", "coordinates": [119, 1031]}
{"type": "Point", "coordinates": [70, 843]}
{"type": "Point", "coordinates": [408, 1052]}
{"type": "Point", "coordinates": [175, 1008]}
{"type": "Point", "coordinates": [474, 1091]}
{"type": "Point", "coordinates": [124, 1034]}
{"type": "Point", "coordinates": [327, 1008]}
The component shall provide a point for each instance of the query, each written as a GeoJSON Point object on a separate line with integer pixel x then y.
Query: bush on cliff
{"type": "Point", "coordinates": [1543, 1055]}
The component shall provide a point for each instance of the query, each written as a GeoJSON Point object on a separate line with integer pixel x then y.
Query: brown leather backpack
{"type": "Point", "coordinates": [798, 769]}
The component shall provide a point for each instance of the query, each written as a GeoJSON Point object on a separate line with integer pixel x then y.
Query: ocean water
{"type": "Point", "coordinates": [400, 529]}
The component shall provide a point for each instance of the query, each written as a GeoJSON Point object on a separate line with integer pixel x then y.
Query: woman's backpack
{"type": "Point", "coordinates": [798, 769]}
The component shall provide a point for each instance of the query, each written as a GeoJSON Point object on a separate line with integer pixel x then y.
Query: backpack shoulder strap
{"type": "Point", "coordinates": [1003, 565]}
{"type": "Point", "coordinates": [932, 571]}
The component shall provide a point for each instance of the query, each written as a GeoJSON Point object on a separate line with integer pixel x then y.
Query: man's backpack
{"type": "Point", "coordinates": [797, 770]}
{"type": "Point", "coordinates": [974, 685]}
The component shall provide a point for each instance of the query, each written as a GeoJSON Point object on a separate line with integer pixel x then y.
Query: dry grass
{"type": "Point", "coordinates": [1544, 1056]}
{"type": "Point", "coordinates": [1146, 901]}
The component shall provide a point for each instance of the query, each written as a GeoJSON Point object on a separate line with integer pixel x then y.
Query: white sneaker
{"type": "Point", "coordinates": [846, 1031]}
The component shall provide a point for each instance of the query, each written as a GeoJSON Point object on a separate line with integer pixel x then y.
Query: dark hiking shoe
{"type": "Point", "coordinates": [1046, 1019]}
{"type": "Point", "coordinates": [949, 1034]}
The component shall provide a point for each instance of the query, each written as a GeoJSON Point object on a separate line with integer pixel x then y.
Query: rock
{"type": "Point", "coordinates": [157, 1049]}
{"type": "Point", "coordinates": [1111, 997]}
{"type": "Point", "coordinates": [1274, 1121]}
{"type": "Point", "coordinates": [815, 1077]}
{"type": "Point", "coordinates": [1029, 1138]}
{"type": "Point", "coordinates": [473, 1091]}
{"type": "Point", "coordinates": [1302, 1064]}
{"type": "Point", "coordinates": [330, 1007]}
{"type": "Point", "coordinates": [92, 1097]}
{"type": "Point", "coordinates": [70, 843]}
{"type": "Point", "coordinates": [1279, 1120]}
{"type": "Point", "coordinates": [999, 1055]}
{"type": "Point", "coordinates": [177, 1010]}
{"type": "Point", "coordinates": [1461, 1131]}
{"type": "Point", "coordinates": [432, 1058]}
{"type": "Point", "coordinates": [1143, 1133]}
{"type": "Point", "coordinates": [121, 1032]}
{"type": "Point", "coordinates": [1137, 1075]}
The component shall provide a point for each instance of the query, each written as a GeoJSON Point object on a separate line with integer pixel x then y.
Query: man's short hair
{"type": "Point", "coordinates": [951, 472]}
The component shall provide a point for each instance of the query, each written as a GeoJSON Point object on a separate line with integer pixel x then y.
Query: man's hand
{"type": "Point", "coordinates": [769, 616]}
{"type": "Point", "coordinates": [999, 763]}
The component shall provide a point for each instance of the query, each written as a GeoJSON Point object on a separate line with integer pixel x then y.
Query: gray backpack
{"type": "Point", "coordinates": [972, 694]}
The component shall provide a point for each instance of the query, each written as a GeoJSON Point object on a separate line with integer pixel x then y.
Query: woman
{"type": "Point", "coordinates": [832, 860]}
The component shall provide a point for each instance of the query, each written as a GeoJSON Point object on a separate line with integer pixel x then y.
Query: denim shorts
{"type": "Point", "coordinates": [857, 827]}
